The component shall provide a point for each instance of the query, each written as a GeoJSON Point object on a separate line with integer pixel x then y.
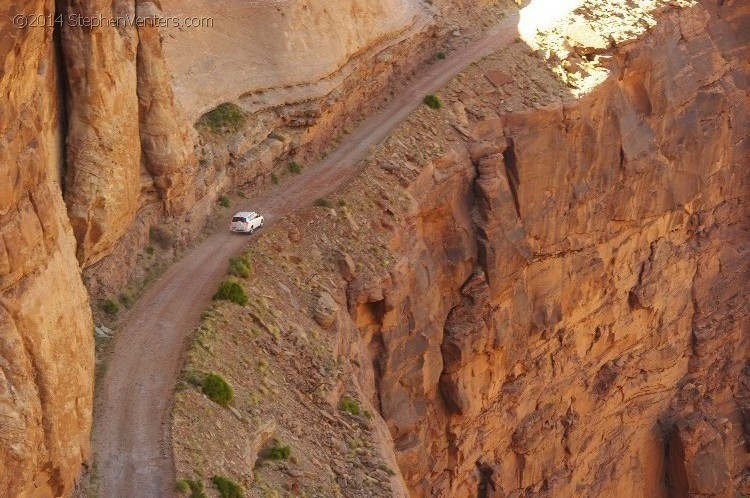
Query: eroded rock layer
{"type": "Point", "coordinates": [266, 46]}
{"type": "Point", "coordinates": [46, 351]}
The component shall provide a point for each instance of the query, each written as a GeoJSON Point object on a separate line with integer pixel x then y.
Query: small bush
{"type": "Point", "coordinates": [217, 389]}
{"type": "Point", "coordinates": [274, 179]}
{"type": "Point", "coordinates": [224, 201]}
{"type": "Point", "coordinates": [322, 202]}
{"type": "Point", "coordinates": [196, 490]}
{"type": "Point", "coordinates": [441, 55]}
{"type": "Point", "coordinates": [231, 291]}
{"type": "Point", "coordinates": [194, 379]}
{"type": "Point", "coordinates": [277, 452]}
{"type": "Point", "coordinates": [127, 299]}
{"type": "Point", "coordinates": [109, 307]}
{"type": "Point", "coordinates": [276, 136]}
{"type": "Point", "coordinates": [227, 487]}
{"type": "Point", "coordinates": [150, 250]}
{"type": "Point", "coordinates": [342, 203]}
{"type": "Point", "coordinates": [188, 485]}
{"type": "Point", "coordinates": [433, 101]}
{"type": "Point", "coordinates": [349, 405]}
{"type": "Point", "coordinates": [295, 167]}
{"type": "Point", "coordinates": [182, 486]}
{"type": "Point", "coordinates": [226, 118]}
{"type": "Point", "coordinates": [239, 268]}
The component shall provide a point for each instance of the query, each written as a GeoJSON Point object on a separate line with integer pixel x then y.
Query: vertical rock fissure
{"type": "Point", "coordinates": [63, 92]}
{"type": "Point", "coordinates": [511, 170]}
{"type": "Point", "coordinates": [376, 346]}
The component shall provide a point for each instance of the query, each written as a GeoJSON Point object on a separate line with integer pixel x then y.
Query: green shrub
{"type": "Point", "coordinates": [196, 489]}
{"type": "Point", "coordinates": [433, 101]}
{"type": "Point", "coordinates": [217, 389]}
{"type": "Point", "coordinates": [322, 202]}
{"type": "Point", "coordinates": [227, 487]}
{"type": "Point", "coordinates": [182, 486]}
{"type": "Point", "coordinates": [127, 299]}
{"type": "Point", "coordinates": [109, 307]}
{"type": "Point", "coordinates": [277, 452]}
{"type": "Point", "coordinates": [193, 378]}
{"type": "Point", "coordinates": [150, 250]}
{"type": "Point", "coordinates": [224, 201]}
{"type": "Point", "coordinates": [349, 405]}
{"type": "Point", "coordinates": [239, 268]}
{"type": "Point", "coordinates": [188, 485]}
{"type": "Point", "coordinates": [274, 179]}
{"type": "Point", "coordinates": [276, 136]}
{"type": "Point", "coordinates": [295, 167]}
{"type": "Point", "coordinates": [231, 291]}
{"type": "Point", "coordinates": [226, 118]}
{"type": "Point", "coordinates": [342, 203]}
{"type": "Point", "coordinates": [440, 55]}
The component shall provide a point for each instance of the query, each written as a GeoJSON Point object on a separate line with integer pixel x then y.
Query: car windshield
{"type": "Point", "coordinates": [239, 219]}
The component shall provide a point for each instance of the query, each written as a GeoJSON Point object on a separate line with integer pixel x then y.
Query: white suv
{"type": "Point", "coordinates": [245, 221]}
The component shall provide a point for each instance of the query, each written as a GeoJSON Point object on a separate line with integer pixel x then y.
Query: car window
{"type": "Point", "coordinates": [239, 219]}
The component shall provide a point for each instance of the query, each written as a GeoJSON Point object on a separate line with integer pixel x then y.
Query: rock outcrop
{"type": "Point", "coordinates": [46, 346]}
{"type": "Point", "coordinates": [103, 150]}
{"type": "Point", "coordinates": [539, 329]}
{"type": "Point", "coordinates": [698, 459]}
{"type": "Point", "coordinates": [295, 47]}
{"type": "Point", "coordinates": [164, 132]}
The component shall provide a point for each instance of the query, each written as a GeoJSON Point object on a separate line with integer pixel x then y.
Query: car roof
{"type": "Point", "coordinates": [246, 214]}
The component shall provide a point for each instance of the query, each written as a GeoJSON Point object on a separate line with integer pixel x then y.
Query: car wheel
{"type": "Point", "coordinates": [251, 231]}
{"type": "Point", "coordinates": [261, 223]}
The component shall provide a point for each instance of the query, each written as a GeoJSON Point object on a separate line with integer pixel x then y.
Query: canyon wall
{"type": "Point", "coordinates": [261, 47]}
{"type": "Point", "coordinates": [580, 310]}
{"type": "Point", "coordinates": [46, 347]}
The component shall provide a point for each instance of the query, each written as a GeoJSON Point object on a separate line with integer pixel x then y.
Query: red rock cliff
{"type": "Point", "coordinates": [578, 312]}
{"type": "Point", "coordinates": [46, 350]}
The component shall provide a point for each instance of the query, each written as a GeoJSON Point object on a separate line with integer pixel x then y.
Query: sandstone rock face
{"type": "Point", "coordinates": [697, 460]}
{"type": "Point", "coordinates": [164, 132]}
{"type": "Point", "coordinates": [550, 328]}
{"type": "Point", "coordinates": [265, 45]}
{"type": "Point", "coordinates": [103, 146]}
{"type": "Point", "coordinates": [46, 351]}
{"type": "Point", "coordinates": [325, 310]}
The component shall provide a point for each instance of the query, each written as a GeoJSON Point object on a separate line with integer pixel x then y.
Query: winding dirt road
{"type": "Point", "coordinates": [132, 411]}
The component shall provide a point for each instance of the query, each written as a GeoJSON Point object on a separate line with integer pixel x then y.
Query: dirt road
{"type": "Point", "coordinates": [131, 432]}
